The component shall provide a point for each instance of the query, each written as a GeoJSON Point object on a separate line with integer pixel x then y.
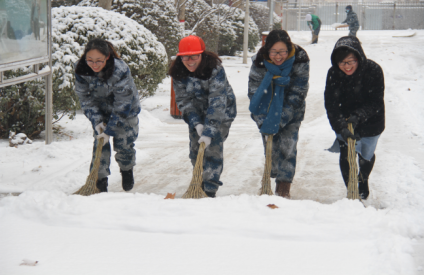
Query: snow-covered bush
{"type": "Point", "coordinates": [208, 29]}
{"type": "Point", "coordinates": [22, 106]}
{"type": "Point", "coordinates": [232, 31]}
{"type": "Point", "coordinates": [260, 14]}
{"type": "Point", "coordinates": [138, 47]}
{"type": "Point", "coordinates": [158, 16]}
{"type": "Point", "coordinates": [223, 29]}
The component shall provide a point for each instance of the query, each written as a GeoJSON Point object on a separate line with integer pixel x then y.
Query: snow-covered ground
{"type": "Point", "coordinates": [318, 231]}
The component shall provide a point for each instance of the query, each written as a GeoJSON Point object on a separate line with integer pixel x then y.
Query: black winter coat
{"type": "Point", "coordinates": [361, 94]}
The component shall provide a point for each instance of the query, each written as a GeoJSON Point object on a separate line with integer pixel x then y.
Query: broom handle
{"type": "Point", "coordinates": [353, 167]}
{"type": "Point", "coordinates": [98, 154]}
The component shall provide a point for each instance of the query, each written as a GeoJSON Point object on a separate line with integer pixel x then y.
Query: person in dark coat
{"type": "Point", "coordinates": [278, 85]}
{"type": "Point", "coordinates": [109, 99]}
{"type": "Point", "coordinates": [208, 104]}
{"type": "Point", "coordinates": [354, 93]}
{"type": "Point", "coordinates": [352, 21]}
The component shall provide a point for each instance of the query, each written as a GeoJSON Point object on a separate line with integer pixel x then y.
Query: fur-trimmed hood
{"type": "Point", "coordinates": [82, 69]}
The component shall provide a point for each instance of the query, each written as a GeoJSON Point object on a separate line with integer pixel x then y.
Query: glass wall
{"type": "Point", "coordinates": [23, 30]}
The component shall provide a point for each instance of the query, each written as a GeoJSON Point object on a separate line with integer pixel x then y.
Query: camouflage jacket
{"type": "Point", "coordinates": [352, 20]}
{"type": "Point", "coordinates": [111, 101]}
{"type": "Point", "coordinates": [210, 102]}
{"type": "Point", "coordinates": [294, 95]}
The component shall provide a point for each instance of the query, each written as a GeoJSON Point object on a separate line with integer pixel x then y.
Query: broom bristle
{"type": "Point", "coordinates": [195, 190]}
{"type": "Point", "coordinates": [90, 186]}
{"type": "Point", "coordinates": [266, 178]}
{"type": "Point", "coordinates": [352, 186]}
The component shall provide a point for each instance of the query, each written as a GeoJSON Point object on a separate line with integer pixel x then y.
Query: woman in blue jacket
{"type": "Point", "coordinates": [278, 85]}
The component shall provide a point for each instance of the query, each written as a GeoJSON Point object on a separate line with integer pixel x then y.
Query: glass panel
{"type": "Point", "coordinates": [23, 30]}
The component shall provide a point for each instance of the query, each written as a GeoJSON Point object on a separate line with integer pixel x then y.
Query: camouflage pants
{"type": "Point", "coordinates": [284, 152]}
{"type": "Point", "coordinates": [123, 145]}
{"type": "Point", "coordinates": [213, 161]}
{"type": "Point", "coordinates": [352, 32]}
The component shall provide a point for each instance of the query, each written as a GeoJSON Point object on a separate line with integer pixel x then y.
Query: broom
{"type": "Point", "coordinates": [266, 178]}
{"type": "Point", "coordinates": [195, 190]}
{"type": "Point", "coordinates": [352, 189]}
{"type": "Point", "coordinates": [90, 187]}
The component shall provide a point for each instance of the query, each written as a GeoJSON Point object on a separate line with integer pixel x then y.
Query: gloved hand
{"type": "Point", "coordinates": [206, 140]}
{"type": "Point", "coordinates": [105, 138]}
{"type": "Point", "coordinates": [199, 129]}
{"type": "Point", "coordinates": [354, 120]}
{"type": "Point", "coordinates": [347, 134]}
{"type": "Point", "coordinates": [100, 128]}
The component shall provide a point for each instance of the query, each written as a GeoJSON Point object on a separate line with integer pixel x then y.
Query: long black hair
{"type": "Point", "coordinates": [104, 47]}
{"type": "Point", "coordinates": [209, 62]}
{"type": "Point", "coordinates": [272, 38]}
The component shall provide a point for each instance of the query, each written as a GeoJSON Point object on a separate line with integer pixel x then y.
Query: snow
{"type": "Point", "coordinates": [318, 231]}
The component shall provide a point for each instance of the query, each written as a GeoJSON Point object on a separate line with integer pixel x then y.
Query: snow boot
{"type": "Point", "coordinates": [282, 189]}
{"type": "Point", "coordinates": [127, 180]}
{"type": "Point", "coordinates": [365, 168]}
{"type": "Point", "coordinates": [209, 194]}
{"type": "Point", "coordinates": [102, 184]}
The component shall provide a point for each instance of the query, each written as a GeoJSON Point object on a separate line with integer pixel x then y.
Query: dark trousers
{"type": "Point", "coordinates": [365, 167]}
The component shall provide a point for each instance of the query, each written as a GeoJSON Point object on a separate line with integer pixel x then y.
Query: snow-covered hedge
{"type": "Point", "coordinates": [138, 47]}
{"type": "Point", "coordinates": [260, 14]}
{"type": "Point", "coordinates": [222, 30]}
{"type": "Point", "coordinates": [22, 106]}
{"type": "Point", "coordinates": [158, 16]}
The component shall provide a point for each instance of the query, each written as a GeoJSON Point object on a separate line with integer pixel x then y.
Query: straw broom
{"type": "Point", "coordinates": [195, 190]}
{"type": "Point", "coordinates": [90, 187]}
{"type": "Point", "coordinates": [352, 189]}
{"type": "Point", "coordinates": [266, 178]}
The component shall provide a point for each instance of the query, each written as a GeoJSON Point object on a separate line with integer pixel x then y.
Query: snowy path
{"type": "Point", "coordinates": [316, 232]}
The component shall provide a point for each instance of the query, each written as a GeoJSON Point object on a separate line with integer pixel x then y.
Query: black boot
{"type": "Point", "coordinates": [102, 184]}
{"type": "Point", "coordinates": [209, 194]}
{"type": "Point", "coordinates": [127, 180]}
{"type": "Point", "coordinates": [365, 168]}
{"type": "Point", "coordinates": [343, 162]}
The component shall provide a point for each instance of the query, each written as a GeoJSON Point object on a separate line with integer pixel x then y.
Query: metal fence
{"type": "Point", "coordinates": [371, 15]}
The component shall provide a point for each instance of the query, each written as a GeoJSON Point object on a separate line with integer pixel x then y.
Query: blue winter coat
{"type": "Point", "coordinates": [210, 102]}
{"type": "Point", "coordinates": [294, 95]}
{"type": "Point", "coordinates": [109, 96]}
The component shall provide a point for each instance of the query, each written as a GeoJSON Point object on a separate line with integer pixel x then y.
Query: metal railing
{"type": "Point", "coordinates": [371, 15]}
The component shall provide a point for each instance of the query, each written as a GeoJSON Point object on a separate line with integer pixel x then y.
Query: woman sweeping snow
{"type": "Point", "coordinates": [208, 105]}
{"type": "Point", "coordinates": [278, 85]}
{"type": "Point", "coordinates": [109, 99]}
{"type": "Point", "coordinates": [354, 93]}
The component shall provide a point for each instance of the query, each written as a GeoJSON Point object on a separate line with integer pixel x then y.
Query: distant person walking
{"type": "Point", "coordinates": [208, 104]}
{"type": "Point", "coordinates": [352, 21]}
{"type": "Point", "coordinates": [109, 99]}
{"type": "Point", "coordinates": [354, 93]}
{"type": "Point", "coordinates": [314, 24]}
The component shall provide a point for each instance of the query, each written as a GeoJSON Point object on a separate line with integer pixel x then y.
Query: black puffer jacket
{"type": "Point", "coordinates": [361, 94]}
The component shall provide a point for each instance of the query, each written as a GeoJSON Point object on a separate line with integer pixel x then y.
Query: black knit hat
{"type": "Point", "coordinates": [349, 7]}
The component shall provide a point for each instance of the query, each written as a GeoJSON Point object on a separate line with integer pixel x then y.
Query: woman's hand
{"type": "Point", "coordinates": [206, 140]}
{"type": "Point", "coordinates": [199, 129]}
{"type": "Point", "coordinates": [105, 138]}
{"type": "Point", "coordinates": [100, 128]}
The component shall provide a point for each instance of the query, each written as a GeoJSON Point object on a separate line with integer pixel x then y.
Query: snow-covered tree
{"type": "Point", "coordinates": [260, 14]}
{"type": "Point", "coordinates": [158, 16]}
{"type": "Point", "coordinates": [221, 26]}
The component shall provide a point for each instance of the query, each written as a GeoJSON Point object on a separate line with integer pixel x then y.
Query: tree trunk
{"type": "Point", "coordinates": [106, 4]}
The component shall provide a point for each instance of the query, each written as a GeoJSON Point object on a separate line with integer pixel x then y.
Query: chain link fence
{"type": "Point", "coordinates": [371, 15]}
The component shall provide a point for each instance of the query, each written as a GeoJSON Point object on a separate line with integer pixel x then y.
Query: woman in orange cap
{"type": "Point", "coordinates": [208, 104]}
